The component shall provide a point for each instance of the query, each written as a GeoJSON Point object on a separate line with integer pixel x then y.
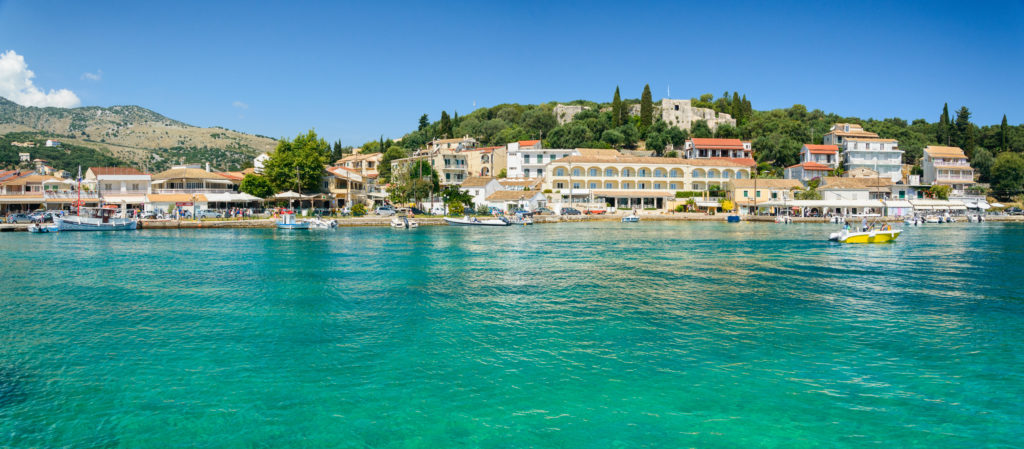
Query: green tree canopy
{"type": "Point", "coordinates": [256, 185]}
{"type": "Point", "coordinates": [298, 163]}
{"type": "Point", "coordinates": [646, 110]}
{"type": "Point", "coordinates": [982, 163]}
{"type": "Point", "coordinates": [384, 168]}
{"type": "Point", "coordinates": [618, 109]}
{"type": "Point", "coordinates": [1008, 175]}
{"type": "Point", "coordinates": [700, 129]}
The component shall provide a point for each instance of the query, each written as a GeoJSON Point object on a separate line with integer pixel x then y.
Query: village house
{"type": "Point", "coordinates": [698, 148]}
{"type": "Point", "coordinates": [480, 187]}
{"type": "Point", "coordinates": [748, 194]}
{"type": "Point", "coordinates": [947, 166]}
{"type": "Point", "coordinates": [527, 158]}
{"type": "Point", "coordinates": [864, 149]}
{"type": "Point", "coordinates": [124, 186]}
{"type": "Point", "coordinates": [487, 161]}
{"type": "Point", "coordinates": [815, 161]}
{"type": "Point", "coordinates": [460, 144]}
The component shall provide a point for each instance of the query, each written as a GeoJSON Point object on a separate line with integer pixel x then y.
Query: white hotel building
{"type": "Point", "coordinates": [864, 149]}
{"type": "Point", "coordinates": [526, 158]}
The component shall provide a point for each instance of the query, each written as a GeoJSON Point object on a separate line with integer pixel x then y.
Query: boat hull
{"type": "Point", "coordinates": [631, 219]}
{"type": "Point", "coordinates": [119, 225]}
{"type": "Point", "coordinates": [866, 237]}
{"type": "Point", "coordinates": [43, 229]}
{"type": "Point", "coordinates": [298, 225]}
{"type": "Point", "coordinates": [465, 222]}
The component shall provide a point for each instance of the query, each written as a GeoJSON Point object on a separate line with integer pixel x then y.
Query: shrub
{"type": "Point", "coordinates": [483, 210]}
{"type": "Point", "coordinates": [456, 208]}
{"type": "Point", "coordinates": [358, 210]}
{"type": "Point", "coordinates": [680, 208]}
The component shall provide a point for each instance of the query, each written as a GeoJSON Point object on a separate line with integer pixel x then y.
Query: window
{"type": "Point", "coordinates": [575, 185]}
{"type": "Point", "coordinates": [526, 158]}
{"type": "Point", "coordinates": [447, 176]}
{"type": "Point", "coordinates": [593, 172]}
{"type": "Point", "coordinates": [576, 172]}
{"type": "Point", "coordinates": [559, 185]}
{"type": "Point", "coordinates": [609, 185]}
{"type": "Point", "coordinates": [108, 187]}
{"type": "Point", "coordinates": [697, 174]}
{"type": "Point", "coordinates": [775, 195]}
{"type": "Point", "coordinates": [657, 186]}
{"type": "Point", "coordinates": [559, 171]}
{"type": "Point", "coordinates": [642, 173]}
{"type": "Point", "coordinates": [526, 172]}
{"type": "Point", "coordinates": [757, 194]}
{"type": "Point", "coordinates": [627, 173]}
{"type": "Point", "coordinates": [552, 158]}
{"type": "Point", "coordinates": [672, 186]}
{"type": "Point", "coordinates": [540, 172]}
{"type": "Point", "coordinates": [745, 194]}
{"type": "Point", "coordinates": [135, 187]}
{"type": "Point", "coordinates": [593, 185]}
{"type": "Point", "coordinates": [608, 172]}
{"type": "Point", "coordinates": [642, 185]}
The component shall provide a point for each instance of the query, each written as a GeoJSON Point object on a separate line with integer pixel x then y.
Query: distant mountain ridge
{"type": "Point", "coordinates": [138, 136]}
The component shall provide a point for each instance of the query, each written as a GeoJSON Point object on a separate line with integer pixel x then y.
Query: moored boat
{"type": "Point", "coordinates": [42, 228]}
{"type": "Point", "coordinates": [404, 223]}
{"type": "Point", "coordinates": [473, 221]}
{"type": "Point", "coordinates": [95, 219]}
{"type": "Point", "coordinates": [631, 219]}
{"type": "Point", "coordinates": [322, 223]}
{"type": "Point", "coordinates": [288, 221]}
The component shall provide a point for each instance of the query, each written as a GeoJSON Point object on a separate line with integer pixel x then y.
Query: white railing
{"type": "Point", "coordinates": [69, 194]}
{"type": "Point", "coordinates": [191, 191]}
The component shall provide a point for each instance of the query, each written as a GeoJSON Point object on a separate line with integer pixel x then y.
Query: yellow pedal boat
{"type": "Point", "coordinates": [873, 236]}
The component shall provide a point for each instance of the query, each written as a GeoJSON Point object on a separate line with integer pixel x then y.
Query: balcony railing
{"type": "Point", "coordinates": [69, 194]}
{"type": "Point", "coordinates": [190, 191]}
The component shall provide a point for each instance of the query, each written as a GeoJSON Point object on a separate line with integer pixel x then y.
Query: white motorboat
{"type": "Point", "coordinates": [932, 219]}
{"type": "Point", "coordinates": [42, 228]}
{"type": "Point", "coordinates": [473, 221]}
{"type": "Point", "coordinates": [322, 223]}
{"type": "Point", "coordinates": [631, 219]}
{"type": "Point", "coordinates": [403, 223]}
{"type": "Point", "coordinates": [95, 219]}
{"type": "Point", "coordinates": [784, 219]}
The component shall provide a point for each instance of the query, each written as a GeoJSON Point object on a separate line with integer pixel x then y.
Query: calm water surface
{"type": "Point", "coordinates": [591, 335]}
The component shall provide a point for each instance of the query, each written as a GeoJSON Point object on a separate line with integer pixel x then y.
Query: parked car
{"type": "Point", "coordinates": [418, 211]}
{"type": "Point", "coordinates": [523, 212]}
{"type": "Point", "coordinates": [42, 216]}
{"type": "Point", "coordinates": [543, 211]}
{"type": "Point", "coordinates": [385, 211]}
{"type": "Point", "coordinates": [149, 215]}
{"type": "Point", "coordinates": [208, 214]}
{"type": "Point", "coordinates": [1015, 211]}
{"type": "Point", "coordinates": [19, 218]}
{"type": "Point", "coordinates": [570, 211]}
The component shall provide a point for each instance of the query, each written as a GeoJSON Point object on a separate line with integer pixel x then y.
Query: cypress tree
{"type": "Point", "coordinates": [646, 110]}
{"type": "Point", "coordinates": [617, 110]}
{"type": "Point", "coordinates": [444, 129]}
{"type": "Point", "coordinates": [964, 134]}
{"type": "Point", "coordinates": [748, 109]}
{"type": "Point", "coordinates": [424, 122]}
{"type": "Point", "coordinates": [736, 109]}
{"type": "Point", "coordinates": [942, 133]}
{"type": "Point", "coordinates": [1004, 141]}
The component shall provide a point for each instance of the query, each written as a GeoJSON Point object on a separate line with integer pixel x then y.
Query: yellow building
{"type": "Point", "coordinates": [632, 181]}
{"type": "Point", "coordinates": [749, 193]}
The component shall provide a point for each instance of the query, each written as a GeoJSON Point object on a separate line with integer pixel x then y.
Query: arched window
{"type": "Point", "coordinates": [627, 172]}
{"type": "Point", "coordinates": [642, 172]}
{"type": "Point", "coordinates": [698, 173]}
{"type": "Point", "coordinates": [576, 172]}
{"type": "Point", "coordinates": [676, 173]}
{"type": "Point", "coordinates": [609, 172]}
{"type": "Point", "coordinates": [559, 171]}
{"type": "Point", "coordinates": [593, 172]}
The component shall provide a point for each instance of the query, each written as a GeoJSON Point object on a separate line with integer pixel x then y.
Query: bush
{"type": "Point", "coordinates": [358, 210]}
{"type": "Point", "coordinates": [456, 208]}
{"type": "Point", "coordinates": [689, 194]}
{"type": "Point", "coordinates": [680, 208]}
{"type": "Point", "coordinates": [483, 210]}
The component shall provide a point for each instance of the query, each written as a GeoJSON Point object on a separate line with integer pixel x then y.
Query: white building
{"type": "Point", "coordinates": [705, 148]}
{"type": "Point", "coordinates": [480, 187]}
{"type": "Point", "coordinates": [816, 161]}
{"type": "Point", "coordinates": [873, 153]}
{"type": "Point", "coordinates": [526, 158]}
{"type": "Point", "coordinates": [121, 185]}
{"type": "Point", "coordinates": [841, 131]}
{"type": "Point", "coordinates": [947, 165]}
{"type": "Point", "coordinates": [258, 162]}
{"type": "Point", "coordinates": [52, 143]}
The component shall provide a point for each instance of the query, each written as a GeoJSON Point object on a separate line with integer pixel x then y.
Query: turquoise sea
{"type": "Point", "coordinates": [586, 335]}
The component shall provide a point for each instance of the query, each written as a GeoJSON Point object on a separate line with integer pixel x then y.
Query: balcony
{"type": "Point", "coordinates": [68, 194]}
{"type": "Point", "coordinates": [191, 191]}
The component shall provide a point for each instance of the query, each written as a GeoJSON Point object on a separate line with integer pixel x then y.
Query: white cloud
{"type": "Point", "coordinates": [16, 85]}
{"type": "Point", "coordinates": [93, 76]}
{"type": "Point", "coordinates": [240, 105]}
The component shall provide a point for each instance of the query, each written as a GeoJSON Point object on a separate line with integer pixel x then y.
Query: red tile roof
{"type": "Point", "coordinates": [822, 149]}
{"type": "Point", "coordinates": [717, 144]}
{"type": "Point", "coordinates": [526, 143]}
{"type": "Point", "coordinates": [811, 166]}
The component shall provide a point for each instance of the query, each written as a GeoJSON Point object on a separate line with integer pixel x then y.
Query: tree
{"type": "Point", "coordinates": [256, 185]}
{"type": "Point", "coordinates": [982, 163]}
{"type": "Point", "coordinates": [424, 122]}
{"type": "Point", "coordinates": [1008, 174]}
{"type": "Point", "coordinates": [503, 174]}
{"type": "Point", "coordinates": [453, 194]}
{"type": "Point", "coordinates": [618, 109]}
{"type": "Point", "coordinates": [570, 135]}
{"type": "Point", "coordinates": [444, 130]}
{"type": "Point", "coordinates": [384, 168]}
{"type": "Point", "coordinates": [940, 191]}
{"type": "Point", "coordinates": [1004, 141]}
{"type": "Point", "coordinates": [646, 110]}
{"type": "Point", "coordinates": [736, 109]}
{"type": "Point", "coordinates": [942, 135]}
{"type": "Point", "coordinates": [539, 121]}
{"type": "Point", "coordinates": [298, 163]}
{"type": "Point", "coordinates": [700, 129]}
{"type": "Point", "coordinates": [358, 210]}
{"type": "Point", "coordinates": [965, 131]}
{"type": "Point", "coordinates": [419, 181]}
{"type": "Point", "coordinates": [613, 138]}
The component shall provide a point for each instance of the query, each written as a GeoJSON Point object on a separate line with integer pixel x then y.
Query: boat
{"type": "Point", "coordinates": [403, 222]}
{"type": "Point", "coordinates": [288, 221]}
{"type": "Point", "coordinates": [884, 235]}
{"type": "Point", "coordinates": [932, 219]}
{"type": "Point", "coordinates": [784, 219]}
{"type": "Point", "coordinates": [43, 228]}
{"type": "Point", "coordinates": [732, 219]}
{"type": "Point", "coordinates": [522, 219]}
{"type": "Point", "coordinates": [631, 219]}
{"type": "Point", "coordinates": [95, 219]}
{"type": "Point", "coordinates": [322, 223]}
{"type": "Point", "coordinates": [473, 221]}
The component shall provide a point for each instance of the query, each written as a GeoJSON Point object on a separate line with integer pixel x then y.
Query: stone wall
{"type": "Point", "coordinates": [681, 114]}
{"type": "Point", "coordinates": [565, 112]}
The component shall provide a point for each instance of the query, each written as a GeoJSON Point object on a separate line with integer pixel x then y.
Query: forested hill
{"type": "Point", "coordinates": [136, 135]}
{"type": "Point", "coordinates": [777, 134]}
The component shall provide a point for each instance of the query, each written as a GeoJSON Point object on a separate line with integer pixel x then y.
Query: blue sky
{"type": "Point", "coordinates": [354, 71]}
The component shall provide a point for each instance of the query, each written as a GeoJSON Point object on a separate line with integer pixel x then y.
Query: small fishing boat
{"type": "Point", "coordinates": [288, 221]}
{"type": "Point", "coordinates": [95, 219]}
{"type": "Point", "coordinates": [522, 219]}
{"type": "Point", "coordinates": [42, 228]}
{"type": "Point", "coordinates": [783, 219]}
{"type": "Point", "coordinates": [473, 221]}
{"type": "Point", "coordinates": [732, 219]}
{"type": "Point", "coordinates": [631, 219]}
{"type": "Point", "coordinates": [403, 223]}
{"type": "Point", "coordinates": [884, 235]}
